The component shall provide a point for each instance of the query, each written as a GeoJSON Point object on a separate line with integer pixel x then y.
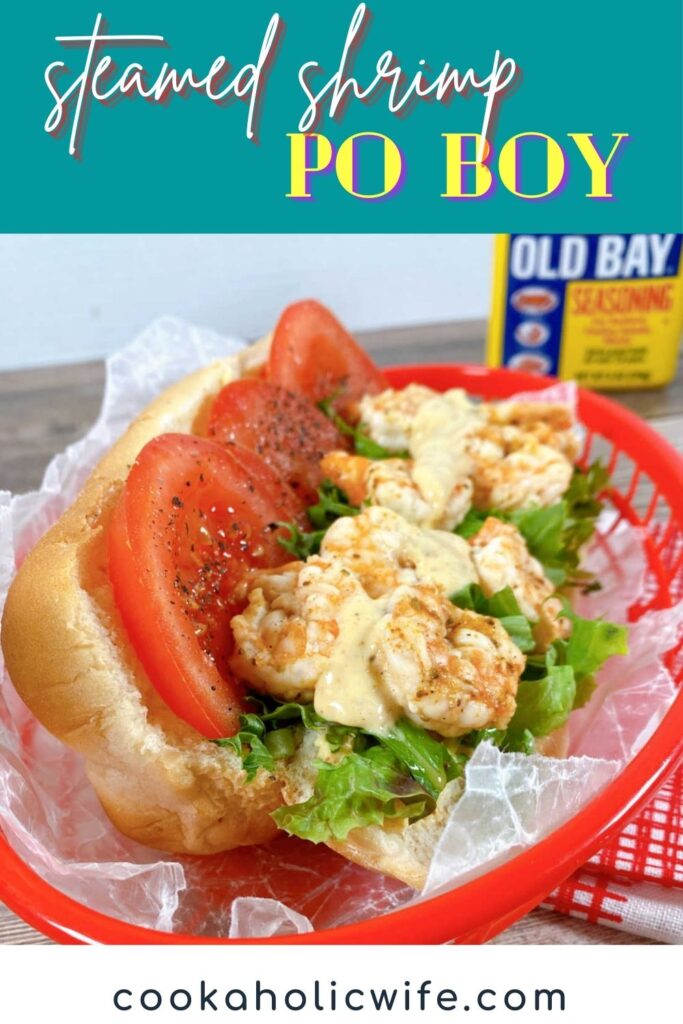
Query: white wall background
{"type": "Point", "coordinates": [65, 298]}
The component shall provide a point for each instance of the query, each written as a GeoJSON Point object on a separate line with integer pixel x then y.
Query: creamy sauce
{"type": "Point", "coordinates": [443, 559]}
{"type": "Point", "coordinates": [347, 691]}
{"type": "Point", "coordinates": [438, 446]}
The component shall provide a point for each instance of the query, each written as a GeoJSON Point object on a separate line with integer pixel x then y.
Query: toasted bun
{"type": "Point", "coordinates": [68, 656]}
{"type": "Point", "coordinates": [67, 653]}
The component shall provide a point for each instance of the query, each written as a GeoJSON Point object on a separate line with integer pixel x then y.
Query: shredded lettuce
{"type": "Point", "coordinates": [544, 704]}
{"type": "Point", "coordinates": [331, 505]}
{"type": "Point", "coordinates": [428, 760]}
{"type": "Point", "coordinates": [521, 741]}
{"type": "Point", "coordinates": [592, 642]}
{"type": "Point", "coordinates": [301, 543]}
{"type": "Point", "coordinates": [336, 736]}
{"type": "Point", "coordinates": [543, 530]}
{"type": "Point", "coordinates": [502, 605]}
{"type": "Point", "coordinates": [473, 522]}
{"type": "Point", "coordinates": [362, 442]}
{"type": "Point", "coordinates": [362, 789]}
{"type": "Point", "coordinates": [249, 745]}
{"type": "Point", "coordinates": [399, 774]}
{"type": "Point", "coordinates": [556, 534]}
{"type": "Point", "coordinates": [585, 688]}
{"type": "Point", "coordinates": [583, 494]}
{"type": "Point", "coordinates": [556, 683]}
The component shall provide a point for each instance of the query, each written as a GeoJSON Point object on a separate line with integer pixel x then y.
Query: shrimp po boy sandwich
{"type": "Point", "coordinates": [293, 598]}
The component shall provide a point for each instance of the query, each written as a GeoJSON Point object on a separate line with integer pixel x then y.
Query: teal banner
{"type": "Point", "coordinates": [297, 116]}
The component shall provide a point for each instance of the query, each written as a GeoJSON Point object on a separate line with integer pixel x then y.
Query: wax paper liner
{"type": "Point", "coordinates": [51, 816]}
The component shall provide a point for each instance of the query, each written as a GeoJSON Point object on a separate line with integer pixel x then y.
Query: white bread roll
{"type": "Point", "coordinates": [69, 658]}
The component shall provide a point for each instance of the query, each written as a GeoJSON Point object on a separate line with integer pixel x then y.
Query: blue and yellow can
{"type": "Point", "coordinates": [606, 310]}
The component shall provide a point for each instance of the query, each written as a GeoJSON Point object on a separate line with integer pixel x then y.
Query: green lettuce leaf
{"type": "Point", "coordinates": [520, 741]}
{"type": "Point", "coordinates": [249, 745]}
{"type": "Point", "coordinates": [331, 505]}
{"type": "Point", "coordinates": [362, 789]}
{"type": "Point", "coordinates": [301, 543]}
{"type": "Point", "coordinates": [429, 761]}
{"type": "Point", "coordinates": [592, 642]}
{"type": "Point", "coordinates": [407, 762]}
{"type": "Point", "coordinates": [543, 531]}
{"type": "Point", "coordinates": [582, 495]}
{"type": "Point", "coordinates": [502, 605]}
{"type": "Point", "coordinates": [362, 442]}
{"type": "Point", "coordinates": [336, 736]}
{"type": "Point", "coordinates": [556, 683]}
{"type": "Point", "coordinates": [585, 688]}
{"type": "Point", "coordinates": [473, 522]}
{"type": "Point", "coordinates": [545, 704]}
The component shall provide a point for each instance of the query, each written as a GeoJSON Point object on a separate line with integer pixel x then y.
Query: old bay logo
{"type": "Point", "coordinates": [571, 257]}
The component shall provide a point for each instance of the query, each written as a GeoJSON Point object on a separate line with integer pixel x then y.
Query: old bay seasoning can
{"type": "Point", "coordinates": [606, 310]}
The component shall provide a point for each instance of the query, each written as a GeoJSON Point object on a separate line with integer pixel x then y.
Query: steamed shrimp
{"type": "Point", "coordinates": [512, 469]}
{"type": "Point", "coordinates": [449, 669]}
{"type": "Point", "coordinates": [551, 423]}
{"type": "Point", "coordinates": [384, 550]}
{"type": "Point", "coordinates": [287, 632]}
{"type": "Point", "coordinates": [391, 484]}
{"type": "Point", "coordinates": [499, 454]}
{"type": "Point", "coordinates": [311, 631]}
{"type": "Point", "coordinates": [502, 559]}
{"type": "Point", "coordinates": [388, 417]}
{"type": "Point", "coordinates": [522, 454]}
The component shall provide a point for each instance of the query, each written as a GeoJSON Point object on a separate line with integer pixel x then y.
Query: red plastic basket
{"type": "Point", "coordinates": [648, 491]}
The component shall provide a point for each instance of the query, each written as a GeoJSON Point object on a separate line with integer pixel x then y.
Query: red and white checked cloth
{"type": "Point", "coordinates": [636, 882]}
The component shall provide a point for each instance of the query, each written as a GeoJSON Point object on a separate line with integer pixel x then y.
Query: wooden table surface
{"type": "Point", "coordinates": [43, 410]}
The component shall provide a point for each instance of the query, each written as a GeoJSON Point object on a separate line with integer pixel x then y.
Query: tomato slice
{"type": "Point", "coordinates": [193, 521]}
{"type": "Point", "coordinates": [284, 429]}
{"type": "Point", "coordinates": [312, 354]}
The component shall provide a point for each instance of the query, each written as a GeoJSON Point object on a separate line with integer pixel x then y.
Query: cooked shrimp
{"type": "Point", "coordinates": [389, 416]}
{"type": "Point", "coordinates": [502, 559]}
{"type": "Point", "coordinates": [517, 453]}
{"type": "Point", "coordinates": [449, 669]}
{"type": "Point", "coordinates": [384, 550]}
{"type": "Point", "coordinates": [349, 472]}
{"type": "Point", "coordinates": [395, 484]}
{"type": "Point", "coordinates": [523, 454]}
{"type": "Point", "coordinates": [391, 483]}
{"type": "Point", "coordinates": [551, 423]}
{"type": "Point", "coordinates": [311, 632]}
{"type": "Point", "coordinates": [512, 469]}
{"type": "Point", "coordinates": [286, 633]}
{"type": "Point", "coordinates": [433, 486]}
